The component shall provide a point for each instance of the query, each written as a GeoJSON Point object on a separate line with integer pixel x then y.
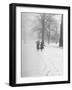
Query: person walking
{"type": "Point", "coordinates": [38, 45]}
{"type": "Point", "coordinates": [42, 45]}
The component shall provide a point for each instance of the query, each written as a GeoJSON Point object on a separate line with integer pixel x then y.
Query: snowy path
{"type": "Point", "coordinates": [53, 59]}
{"type": "Point", "coordinates": [41, 63]}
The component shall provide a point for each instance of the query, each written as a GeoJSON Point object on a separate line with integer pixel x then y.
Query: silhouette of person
{"type": "Point", "coordinates": [42, 45]}
{"type": "Point", "coordinates": [38, 45]}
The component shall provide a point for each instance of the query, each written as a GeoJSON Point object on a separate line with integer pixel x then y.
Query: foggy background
{"type": "Point", "coordinates": [47, 28]}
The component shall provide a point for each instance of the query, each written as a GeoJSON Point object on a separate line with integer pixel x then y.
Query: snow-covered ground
{"type": "Point", "coordinates": [48, 62]}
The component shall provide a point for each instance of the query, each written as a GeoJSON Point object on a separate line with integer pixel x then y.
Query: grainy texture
{"type": "Point", "coordinates": [47, 61]}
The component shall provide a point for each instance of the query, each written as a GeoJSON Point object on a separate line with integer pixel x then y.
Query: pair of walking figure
{"type": "Point", "coordinates": [40, 45]}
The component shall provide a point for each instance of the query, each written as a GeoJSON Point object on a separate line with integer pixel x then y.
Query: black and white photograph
{"type": "Point", "coordinates": [40, 36]}
{"type": "Point", "coordinates": [41, 44]}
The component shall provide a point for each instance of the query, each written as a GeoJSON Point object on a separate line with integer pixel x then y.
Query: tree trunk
{"type": "Point", "coordinates": [61, 33]}
{"type": "Point", "coordinates": [43, 27]}
{"type": "Point", "coordinates": [56, 35]}
{"type": "Point", "coordinates": [48, 34]}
